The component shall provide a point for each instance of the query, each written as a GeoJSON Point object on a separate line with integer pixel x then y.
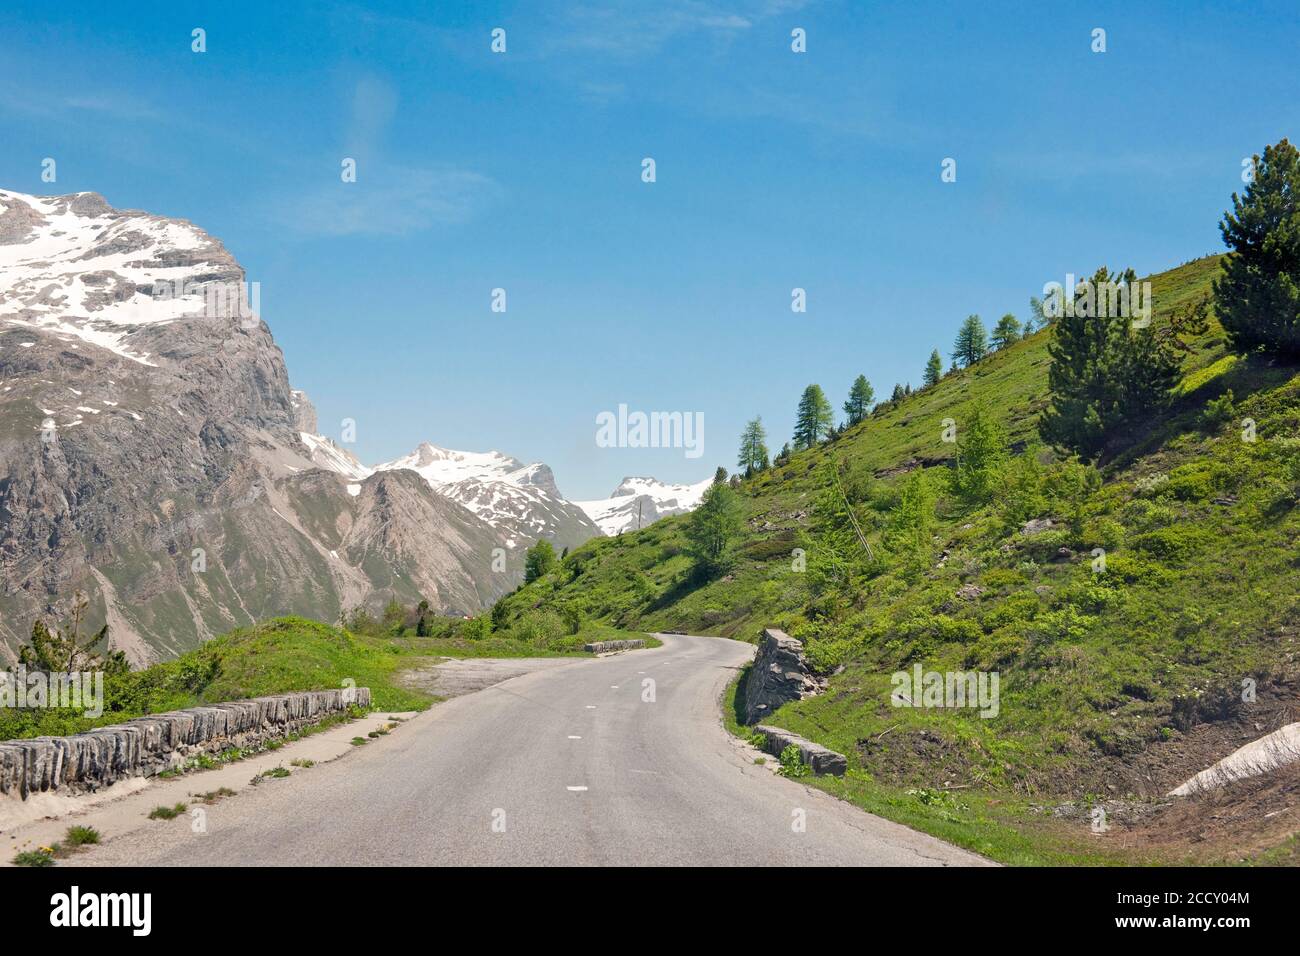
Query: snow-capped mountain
{"type": "Point", "coordinates": [523, 500]}
{"type": "Point", "coordinates": [77, 269]}
{"type": "Point", "coordinates": [154, 458]}
{"type": "Point", "coordinates": [520, 500]}
{"type": "Point", "coordinates": [637, 502]}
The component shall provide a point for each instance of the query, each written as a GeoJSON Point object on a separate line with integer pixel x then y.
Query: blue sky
{"type": "Point", "coordinates": [523, 171]}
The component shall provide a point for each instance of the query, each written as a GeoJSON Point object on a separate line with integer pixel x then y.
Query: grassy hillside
{"type": "Point", "coordinates": [1118, 683]}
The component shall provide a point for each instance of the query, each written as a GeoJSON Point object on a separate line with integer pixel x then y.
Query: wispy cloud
{"type": "Point", "coordinates": [632, 28]}
{"type": "Point", "coordinates": [389, 200]}
{"type": "Point", "coordinates": [74, 107]}
{"type": "Point", "coordinates": [388, 197]}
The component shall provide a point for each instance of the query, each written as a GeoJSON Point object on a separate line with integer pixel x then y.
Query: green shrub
{"type": "Point", "coordinates": [1194, 482]}
{"type": "Point", "coordinates": [999, 649]}
{"type": "Point", "coordinates": [1218, 412]}
{"type": "Point", "coordinates": [1063, 625]}
{"type": "Point", "coordinates": [476, 628]}
{"type": "Point", "coordinates": [538, 628]}
{"type": "Point", "coordinates": [1174, 545]}
{"type": "Point", "coordinates": [1014, 609]}
{"type": "Point", "coordinates": [1141, 515]}
{"type": "Point", "coordinates": [42, 857]}
{"type": "Point", "coordinates": [792, 764]}
{"type": "Point", "coordinates": [81, 836]}
{"type": "Point", "coordinates": [1104, 533]}
{"type": "Point", "coordinates": [1044, 546]}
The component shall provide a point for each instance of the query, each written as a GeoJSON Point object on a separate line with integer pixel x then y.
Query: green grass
{"type": "Point", "coordinates": [168, 813]}
{"type": "Point", "coordinates": [277, 656]}
{"type": "Point", "coordinates": [212, 796]}
{"type": "Point", "coordinates": [81, 836]}
{"type": "Point", "coordinates": [1009, 831]}
{"type": "Point", "coordinates": [35, 858]}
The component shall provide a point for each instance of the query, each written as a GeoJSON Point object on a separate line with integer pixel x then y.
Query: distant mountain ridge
{"type": "Point", "coordinates": [638, 502]}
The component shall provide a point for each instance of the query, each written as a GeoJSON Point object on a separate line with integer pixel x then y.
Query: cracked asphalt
{"type": "Point", "coordinates": [618, 760]}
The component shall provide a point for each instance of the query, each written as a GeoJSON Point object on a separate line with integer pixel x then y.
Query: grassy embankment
{"type": "Point", "coordinates": [1114, 686]}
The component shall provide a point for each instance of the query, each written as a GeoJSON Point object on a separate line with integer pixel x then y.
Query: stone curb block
{"type": "Point", "coordinates": [819, 758]}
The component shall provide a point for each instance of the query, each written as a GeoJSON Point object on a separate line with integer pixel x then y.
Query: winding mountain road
{"type": "Point", "coordinates": [563, 766]}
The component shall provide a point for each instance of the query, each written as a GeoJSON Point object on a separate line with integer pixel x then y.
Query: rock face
{"type": "Point", "coordinates": [152, 453]}
{"type": "Point", "coordinates": [779, 675]}
{"type": "Point", "coordinates": [520, 502]}
{"type": "Point", "coordinates": [148, 745]}
{"type": "Point", "coordinates": [304, 412]}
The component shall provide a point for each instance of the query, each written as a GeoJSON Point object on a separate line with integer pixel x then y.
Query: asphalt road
{"type": "Point", "coordinates": [567, 765]}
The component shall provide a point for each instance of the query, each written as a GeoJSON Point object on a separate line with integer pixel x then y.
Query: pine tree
{"type": "Point", "coordinates": [500, 615]}
{"type": "Point", "coordinates": [1006, 332]}
{"type": "Point", "coordinates": [897, 394]}
{"type": "Point", "coordinates": [910, 532]}
{"type": "Point", "coordinates": [1106, 374]}
{"type": "Point", "coordinates": [861, 395]}
{"type": "Point", "coordinates": [972, 342]}
{"type": "Point", "coordinates": [538, 560]}
{"type": "Point", "coordinates": [720, 475]}
{"type": "Point", "coordinates": [1257, 297]}
{"type": "Point", "coordinates": [981, 456]}
{"type": "Point", "coordinates": [753, 447]}
{"type": "Point", "coordinates": [66, 650]}
{"type": "Point", "coordinates": [814, 418]}
{"type": "Point", "coordinates": [1037, 317]}
{"type": "Point", "coordinates": [783, 455]}
{"type": "Point", "coordinates": [712, 528]}
{"type": "Point", "coordinates": [933, 369]}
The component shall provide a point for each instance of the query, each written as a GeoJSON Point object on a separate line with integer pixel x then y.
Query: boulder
{"type": "Point", "coordinates": [779, 675]}
{"type": "Point", "coordinates": [1036, 526]}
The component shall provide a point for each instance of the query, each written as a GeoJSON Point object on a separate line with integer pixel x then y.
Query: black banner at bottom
{"type": "Point", "coordinates": [338, 904]}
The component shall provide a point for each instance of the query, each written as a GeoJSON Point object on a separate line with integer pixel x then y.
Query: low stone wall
{"type": "Point", "coordinates": [779, 675]}
{"type": "Point", "coordinates": [819, 758]}
{"type": "Point", "coordinates": [604, 647]}
{"type": "Point", "coordinates": [148, 745]}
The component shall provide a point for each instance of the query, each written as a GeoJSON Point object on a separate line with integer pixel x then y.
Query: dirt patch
{"type": "Point", "coordinates": [452, 677]}
{"type": "Point", "coordinates": [916, 757]}
{"type": "Point", "coordinates": [1206, 731]}
{"type": "Point", "coordinates": [1240, 822]}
